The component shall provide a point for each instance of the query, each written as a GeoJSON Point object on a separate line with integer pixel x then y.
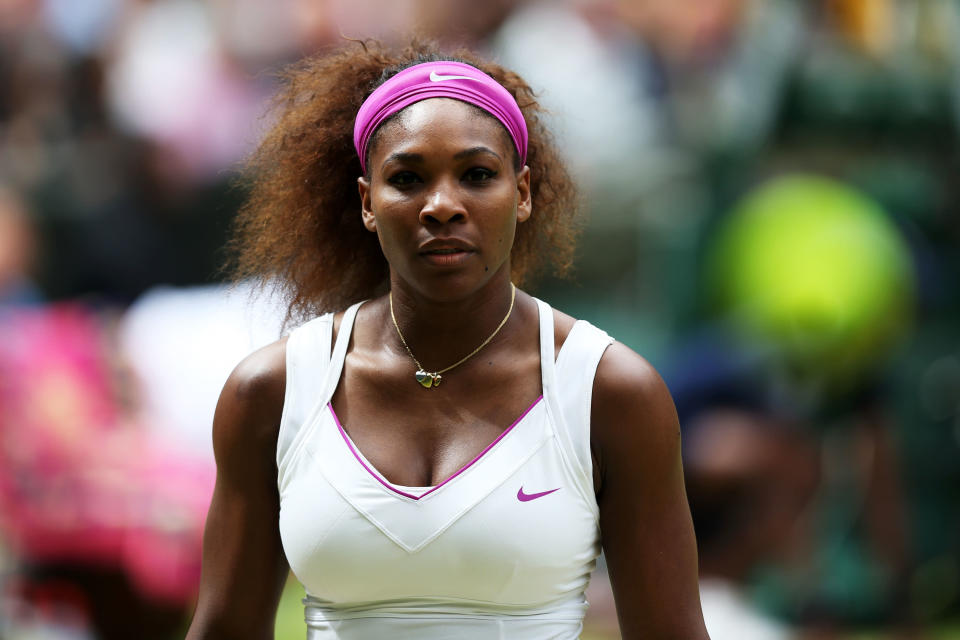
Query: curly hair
{"type": "Point", "coordinates": [300, 229]}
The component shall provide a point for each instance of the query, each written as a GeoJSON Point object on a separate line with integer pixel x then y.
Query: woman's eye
{"type": "Point", "coordinates": [479, 174]}
{"type": "Point", "coordinates": [403, 178]}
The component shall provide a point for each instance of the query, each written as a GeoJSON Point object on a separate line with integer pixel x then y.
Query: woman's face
{"type": "Point", "coordinates": [444, 198]}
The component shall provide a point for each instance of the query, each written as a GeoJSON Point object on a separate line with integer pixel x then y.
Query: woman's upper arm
{"type": "Point", "coordinates": [645, 523]}
{"type": "Point", "coordinates": [244, 567]}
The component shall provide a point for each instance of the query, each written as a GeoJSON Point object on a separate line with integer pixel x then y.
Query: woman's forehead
{"type": "Point", "coordinates": [443, 118]}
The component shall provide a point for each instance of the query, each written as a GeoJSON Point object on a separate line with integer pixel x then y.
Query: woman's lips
{"type": "Point", "coordinates": [446, 257]}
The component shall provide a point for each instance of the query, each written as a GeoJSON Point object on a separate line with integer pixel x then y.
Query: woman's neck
{"type": "Point", "coordinates": [440, 331]}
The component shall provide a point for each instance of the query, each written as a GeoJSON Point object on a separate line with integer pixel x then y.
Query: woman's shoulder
{"type": "Point", "coordinates": [251, 402]}
{"type": "Point", "coordinates": [626, 377]}
{"type": "Point", "coordinates": [630, 402]}
{"type": "Point", "coordinates": [632, 409]}
{"type": "Point", "coordinates": [622, 374]}
{"type": "Point", "coordinates": [623, 377]}
{"type": "Point", "coordinates": [261, 373]}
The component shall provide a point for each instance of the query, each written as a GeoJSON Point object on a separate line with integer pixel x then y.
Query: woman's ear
{"type": "Point", "coordinates": [366, 208]}
{"type": "Point", "coordinates": [524, 203]}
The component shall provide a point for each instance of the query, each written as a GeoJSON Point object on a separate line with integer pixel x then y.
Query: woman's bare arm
{"type": "Point", "coordinates": [645, 522]}
{"type": "Point", "coordinates": [244, 567]}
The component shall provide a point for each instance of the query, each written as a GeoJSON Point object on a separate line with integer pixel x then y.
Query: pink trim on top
{"type": "Point", "coordinates": [381, 480]}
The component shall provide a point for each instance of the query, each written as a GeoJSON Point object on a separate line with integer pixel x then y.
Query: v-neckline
{"type": "Point", "coordinates": [408, 517]}
{"type": "Point", "coordinates": [338, 357]}
{"type": "Point", "coordinates": [400, 489]}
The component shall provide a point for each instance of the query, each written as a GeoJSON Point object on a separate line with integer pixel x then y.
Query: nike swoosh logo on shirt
{"type": "Point", "coordinates": [527, 497]}
{"type": "Point", "coordinates": [436, 77]}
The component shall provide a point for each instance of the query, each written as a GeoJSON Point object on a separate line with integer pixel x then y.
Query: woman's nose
{"type": "Point", "coordinates": [442, 206]}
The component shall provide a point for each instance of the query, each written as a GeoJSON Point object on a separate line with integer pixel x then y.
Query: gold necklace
{"type": "Point", "coordinates": [429, 379]}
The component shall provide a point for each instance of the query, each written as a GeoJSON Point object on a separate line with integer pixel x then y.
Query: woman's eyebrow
{"type": "Point", "coordinates": [402, 156]}
{"type": "Point", "coordinates": [474, 150]}
{"type": "Point", "coordinates": [406, 156]}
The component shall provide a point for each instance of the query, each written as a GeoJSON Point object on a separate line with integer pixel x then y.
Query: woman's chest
{"type": "Point", "coordinates": [511, 527]}
{"type": "Point", "coordinates": [419, 437]}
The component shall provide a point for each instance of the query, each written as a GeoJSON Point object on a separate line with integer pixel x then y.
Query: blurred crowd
{"type": "Point", "coordinates": [771, 220]}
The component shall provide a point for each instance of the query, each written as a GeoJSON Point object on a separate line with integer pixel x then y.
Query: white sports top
{"type": "Point", "coordinates": [503, 548]}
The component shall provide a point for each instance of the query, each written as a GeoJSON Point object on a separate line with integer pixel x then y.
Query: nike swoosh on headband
{"type": "Point", "coordinates": [527, 497]}
{"type": "Point", "coordinates": [436, 77]}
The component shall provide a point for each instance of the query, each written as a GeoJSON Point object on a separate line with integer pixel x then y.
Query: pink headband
{"type": "Point", "coordinates": [438, 80]}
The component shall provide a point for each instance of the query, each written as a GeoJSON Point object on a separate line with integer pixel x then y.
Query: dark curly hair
{"type": "Point", "coordinates": [300, 229]}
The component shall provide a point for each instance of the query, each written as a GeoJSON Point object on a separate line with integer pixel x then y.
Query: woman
{"type": "Point", "coordinates": [378, 451]}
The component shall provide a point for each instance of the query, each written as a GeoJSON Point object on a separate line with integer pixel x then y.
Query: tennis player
{"type": "Point", "coordinates": [433, 452]}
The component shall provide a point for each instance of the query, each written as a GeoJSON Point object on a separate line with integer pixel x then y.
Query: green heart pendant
{"type": "Point", "coordinates": [427, 380]}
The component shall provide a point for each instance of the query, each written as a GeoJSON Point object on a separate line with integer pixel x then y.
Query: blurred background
{"type": "Point", "coordinates": [772, 195]}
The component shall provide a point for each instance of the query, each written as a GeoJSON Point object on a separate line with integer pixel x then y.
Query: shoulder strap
{"type": "Point", "coordinates": [335, 367]}
{"type": "Point", "coordinates": [546, 347]}
{"type": "Point", "coordinates": [575, 370]}
{"type": "Point", "coordinates": [313, 371]}
{"type": "Point", "coordinates": [308, 353]}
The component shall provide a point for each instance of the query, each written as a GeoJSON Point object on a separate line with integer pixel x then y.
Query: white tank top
{"type": "Point", "coordinates": [503, 548]}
